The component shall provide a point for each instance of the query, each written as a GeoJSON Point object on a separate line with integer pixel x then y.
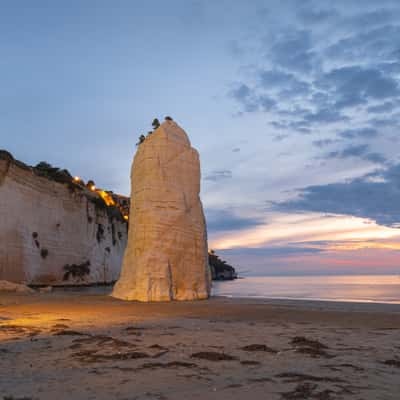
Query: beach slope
{"type": "Point", "coordinates": [83, 345]}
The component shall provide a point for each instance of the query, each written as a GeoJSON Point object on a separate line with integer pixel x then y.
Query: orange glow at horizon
{"type": "Point", "coordinates": [358, 233]}
{"type": "Point", "coordinates": [350, 246]}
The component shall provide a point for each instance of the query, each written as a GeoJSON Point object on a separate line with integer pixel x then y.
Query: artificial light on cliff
{"type": "Point", "coordinates": [106, 197]}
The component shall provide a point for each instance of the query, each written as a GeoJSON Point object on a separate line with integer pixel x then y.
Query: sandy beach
{"type": "Point", "coordinates": [68, 345]}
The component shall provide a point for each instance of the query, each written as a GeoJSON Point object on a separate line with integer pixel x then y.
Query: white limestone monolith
{"type": "Point", "coordinates": [166, 256]}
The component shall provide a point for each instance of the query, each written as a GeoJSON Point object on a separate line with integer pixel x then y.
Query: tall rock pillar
{"type": "Point", "coordinates": [166, 256]}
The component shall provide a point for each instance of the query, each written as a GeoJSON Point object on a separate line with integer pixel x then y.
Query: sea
{"type": "Point", "coordinates": [343, 288]}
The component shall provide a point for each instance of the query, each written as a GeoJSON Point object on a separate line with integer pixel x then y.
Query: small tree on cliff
{"type": "Point", "coordinates": [142, 138]}
{"type": "Point", "coordinates": [54, 173]}
{"type": "Point", "coordinates": [155, 124]}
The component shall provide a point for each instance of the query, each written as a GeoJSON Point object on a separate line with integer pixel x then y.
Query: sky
{"type": "Point", "coordinates": [293, 106]}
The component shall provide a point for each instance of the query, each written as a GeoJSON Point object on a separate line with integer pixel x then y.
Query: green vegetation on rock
{"type": "Point", "coordinates": [220, 269]}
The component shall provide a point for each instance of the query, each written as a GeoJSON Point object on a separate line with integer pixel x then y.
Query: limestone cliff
{"type": "Point", "coordinates": [55, 233]}
{"type": "Point", "coordinates": [166, 255]}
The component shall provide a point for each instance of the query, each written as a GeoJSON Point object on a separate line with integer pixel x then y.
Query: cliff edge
{"type": "Point", "coordinates": [54, 231]}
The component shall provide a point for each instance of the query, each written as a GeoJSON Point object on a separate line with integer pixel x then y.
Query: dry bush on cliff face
{"type": "Point", "coordinates": [76, 270]}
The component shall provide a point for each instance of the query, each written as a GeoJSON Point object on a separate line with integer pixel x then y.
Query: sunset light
{"type": "Point", "coordinates": [283, 229]}
{"type": "Point", "coordinates": [200, 200]}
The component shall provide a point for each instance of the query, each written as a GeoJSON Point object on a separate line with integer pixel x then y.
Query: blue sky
{"type": "Point", "coordinates": [293, 106]}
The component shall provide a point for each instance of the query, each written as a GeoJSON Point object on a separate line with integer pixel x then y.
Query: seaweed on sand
{"type": "Point", "coordinates": [314, 348]}
{"type": "Point", "coordinates": [213, 356]}
{"type": "Point", "coordinates": [258, 347]}
{"type": "Point", "coordinates": [307, 391]}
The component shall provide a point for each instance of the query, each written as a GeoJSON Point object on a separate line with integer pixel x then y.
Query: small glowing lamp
{"type": "Point", "coordinates": [77, 179]}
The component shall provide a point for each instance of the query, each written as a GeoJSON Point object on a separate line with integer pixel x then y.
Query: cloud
{"type": "Point", "coordinates": [323, 142]}
{"type": "Point", "coordinates": [391, 121]}
{"type": "Point", "coordinates": [377, 199]}
{"type": "Point", "coordinates": [386, 107]}
{"type": "Point", "coordinates": [324, 115]}
{"type": "Point", "coordinates": [286, 83]}
{"type": "Point", "coordinates": [250, 100]}
{"type": "Point", "coordinates": [361, 151]}
{"type": "Point", "coordinates": [279, 138]}
{"type": "Point", "coordinates": [360, 132]}
{"type": "Point", "coordinates": [226, 220]}
{"type": "Point", "coordinates": [370, 44]}
{"type": "Point", "coordinates": [265, 102]}
{"type": "Point", "coordinates": [390, 67]}
{"type": "Point", "coordinates": [326, 65]}
{"type": "Point", "coordinates": [315, 16]}
{"type": "Point", "coordinates": [275, 251]}
{"type": "Point", "coordinates": [293, 51]}
{"type": "Point", "coordinates": [243, 95]}
{"type": "Point", "coordinates": [218, 175]}
{"type": "Point", "coordinates": [375, 157]}
{"type": "Point", "coordinates": [354, 85]}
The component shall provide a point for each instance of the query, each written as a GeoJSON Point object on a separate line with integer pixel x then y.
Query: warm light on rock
{"type": "Point", "coordinates": [166, 256]}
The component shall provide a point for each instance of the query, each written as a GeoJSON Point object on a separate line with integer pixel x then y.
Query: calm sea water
{"type": "Point", "coordinates": [361, 288]}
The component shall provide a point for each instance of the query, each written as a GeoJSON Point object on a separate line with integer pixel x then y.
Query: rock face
{"type": "Point", "coordinates": [166, 256]}
{"type": "Point", "coordinates": [55, 234]}
{"type": "Point", "coordinates": [6, 286]}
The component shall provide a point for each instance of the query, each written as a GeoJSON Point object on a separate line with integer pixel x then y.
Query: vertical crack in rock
{"type": "Point", "coordinates": [171, 285]}
{"type": "Point", "coordinates": [166, 257]}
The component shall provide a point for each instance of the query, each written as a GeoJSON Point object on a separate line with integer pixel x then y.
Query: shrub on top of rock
{"type": "Point", "coordinates": [155, 124]}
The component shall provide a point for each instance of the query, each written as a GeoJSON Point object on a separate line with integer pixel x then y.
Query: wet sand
{"type": "Point", "coordinates": [78, 345]}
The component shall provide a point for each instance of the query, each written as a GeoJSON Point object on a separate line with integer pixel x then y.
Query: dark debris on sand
{"type": "Point", "coordinates": [66, 332]}
{"type": "Point", "coordinates": [104, 340]}
{"type": "Point", "coordinates": [158, 347]}
{"type": "Point", "coordinates": [89, 356]}
{"type": "Point", "coordinates": [135, 330]}
{"type": "Point", "coordinates": [260, 380]}
{"type": "Point", "coordinates": [60, 326]}
{"type": "Point", "coordinates": [259, 347]}
{"type": "Point", "coordinates": [307, 391]}
{"type": "Point", "coordinates": [18, 398]}
{"type": "Point", "coordinates": [303, 341]}
{"type": "Point", "coordinates": [213, 356]}
{"type": "Point", "coordinates": [250, 362]}
{"type": "Point", "coordinates": [339, 367]}
{"type": "Point", "coordinates": [171, 364]}
{"type": "Point", "coordinates": [392, 363]}
{"type": "Point", "coordinates": [19, 330]}
{"type": "Point", "coordinates": [291, 377]}
{"type": "Point", "coordinates": [313, 348]}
